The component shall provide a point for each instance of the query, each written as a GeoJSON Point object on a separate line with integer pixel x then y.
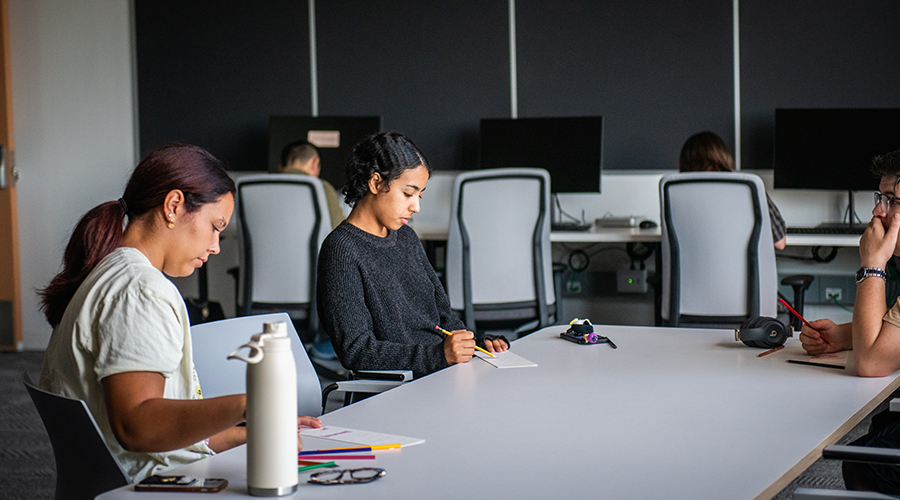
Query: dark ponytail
{"type": "Point", "coordinates": [198, 174]}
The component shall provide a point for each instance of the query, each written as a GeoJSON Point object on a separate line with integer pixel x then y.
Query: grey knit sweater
{"type": "Point", "coordinates": [379, 299]}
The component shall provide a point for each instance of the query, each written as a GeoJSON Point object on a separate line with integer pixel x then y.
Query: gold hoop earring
{"type": "Point", "coordinates": [171, 224]}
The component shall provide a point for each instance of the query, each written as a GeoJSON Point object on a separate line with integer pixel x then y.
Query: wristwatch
{"type": "Point", "coordinates": [868, 272]}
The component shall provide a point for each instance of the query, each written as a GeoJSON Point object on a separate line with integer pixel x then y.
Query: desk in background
{"type": "Point", "coordinates": [671, 413]}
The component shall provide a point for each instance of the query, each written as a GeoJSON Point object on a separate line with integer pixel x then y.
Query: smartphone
{"type": "Point", "coordinates": [181, 483]}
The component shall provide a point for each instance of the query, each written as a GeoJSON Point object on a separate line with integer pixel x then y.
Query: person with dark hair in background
{"type": "Point", "coordinates": [302, 157]}
{"type": "Point", "coordinates": [121, 336]}
{"type": "Point", "coordinates": [874, 333]}
{"type": "Point", "coordinates": [707, 152]}
{"type": "Point", "coordinates": [378, 296]}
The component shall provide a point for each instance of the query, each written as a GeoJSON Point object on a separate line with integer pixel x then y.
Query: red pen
{"type": "Point", "coordinates": [803, 320]}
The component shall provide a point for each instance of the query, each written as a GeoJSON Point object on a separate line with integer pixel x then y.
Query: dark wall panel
{"type": "Point", "coordinates": [656, 71]}
{"type": "Point", "coordinates": [211, 72]}
{"type": "Point", "coordinates": [432, 70]}
{"type": "Point", "coordinates": [813, 54]}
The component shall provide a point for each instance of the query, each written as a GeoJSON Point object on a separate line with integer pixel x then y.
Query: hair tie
{"type": "Point", "coordinates": [124, 206]}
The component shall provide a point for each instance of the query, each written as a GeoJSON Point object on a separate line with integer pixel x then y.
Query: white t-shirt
{"type": "Point", "coordinates": [125, 317]}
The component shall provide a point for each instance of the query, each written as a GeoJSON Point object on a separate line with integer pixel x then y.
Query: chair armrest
{"type": "Point", "coordinates": [862, 454]}
{"type": "Point", "coordinates": [895, 404]}
{"type": "Point", "coordinates": [818, 494]}
{"type": "Point", "coordinates": [367, 386]}
{"type": "Point", "coordinates": [395, 375]}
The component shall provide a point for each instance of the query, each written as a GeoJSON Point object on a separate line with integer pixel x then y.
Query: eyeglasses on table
{"type": "Point", "coordinates": [347, 476]}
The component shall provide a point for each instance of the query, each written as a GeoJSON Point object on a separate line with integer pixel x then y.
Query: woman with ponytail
{"type": "Point", "coordinates": [121, 335]}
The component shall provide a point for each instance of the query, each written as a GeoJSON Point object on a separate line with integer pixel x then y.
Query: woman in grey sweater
{"type": "Point", "coordinates": [378, 297]}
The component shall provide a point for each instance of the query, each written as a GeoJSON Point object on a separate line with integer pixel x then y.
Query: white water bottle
{"type": "Point", "coordinates": [271, 412]}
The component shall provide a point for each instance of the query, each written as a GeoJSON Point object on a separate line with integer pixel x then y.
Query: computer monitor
{"type": "Point", "coordinates": [832, 148]}
{"type": "Point", "coordinates": [335, 137]}
{"type": "Point", "coordinates": [569, 148]}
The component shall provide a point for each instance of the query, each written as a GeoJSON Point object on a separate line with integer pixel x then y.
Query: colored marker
{"type": "Point", "coordinates": [329, 451]}
{"type": "Point", "coordinates": [304, 465]}
{"type": "Point", "coordinates": [339, 457]}
{"type": "Point", "coordinates": [476, 347]}
{"type": "Point", "coordinates": [803, 320]}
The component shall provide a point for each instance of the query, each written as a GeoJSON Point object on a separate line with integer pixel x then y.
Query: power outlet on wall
{"type": "Point", "coordinates": [833, 293]}
{"type": "Point", "coordinates": [631, 281]}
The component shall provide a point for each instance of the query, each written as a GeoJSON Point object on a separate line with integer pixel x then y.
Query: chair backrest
{"type": "Point", "coordinates": [84, 465]}
{"type": "Point", "coordinates": [214, 341]}
{"type": "Point", "coordinates": [498, 247]}
{"type": "Point", "coordinates": [283, 221]}
{"type": "Point", "coordinates": [434, 209]}
{"type": "Point", "coordinates": [718, 259]}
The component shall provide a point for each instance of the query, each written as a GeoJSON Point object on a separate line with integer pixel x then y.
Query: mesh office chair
{"type": "Point", "coordinates": [718, 260]}
{"type": "Point", "coordinates": [283, 221]}
{"type": "Point", "coordinates": [499, 270]}
{"type": "Point", "coordinates": [85, 467]}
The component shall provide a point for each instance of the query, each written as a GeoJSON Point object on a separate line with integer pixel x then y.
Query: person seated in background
{"type": "Point", "coordinates": [707, 152]}
{"type": "Point", "coordinates": [378, 297]}
{"type": "Point", "coordinates": [874, 333]}
{"type": "Point", "coordinates": [301, 157]}
{"type": "Point", "coordinates": [121, 337]}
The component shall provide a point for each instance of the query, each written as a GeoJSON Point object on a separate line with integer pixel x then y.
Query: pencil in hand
{"type": "Point", "coordinates": [804, 320]}
{"type": "Point", "coordinates": [442, 330]}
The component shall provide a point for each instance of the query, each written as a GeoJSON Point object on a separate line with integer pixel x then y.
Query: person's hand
{"type": "Point", "coordinates": [812, 338]}
{"type": "Point", "coordinates": [877, 244]}
{"type": "Point", "coordinates": [497, 345]}
{"type": "Point", "coordinates": [306, 422]}
{"type": "Point", "coordinates": [459, 347]}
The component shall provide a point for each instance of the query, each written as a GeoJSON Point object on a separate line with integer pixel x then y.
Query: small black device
{"type": "Point", "coordinates": [583, 333]}
{"type": "Point", "coordinates": [647, 224]}
{"type": "Point", "coordinates": [181, 483]}
{"type": "Point", "coordinates": [763, 332]}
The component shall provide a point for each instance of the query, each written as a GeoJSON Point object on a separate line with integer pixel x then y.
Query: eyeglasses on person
{"type": "Point", "coordinates": [347, 476]}
{"type": "Point", "coordinates": [886, 201]}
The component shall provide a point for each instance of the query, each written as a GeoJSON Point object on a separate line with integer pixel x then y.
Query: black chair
{"type": "Point", "coordinates": [85, 467]}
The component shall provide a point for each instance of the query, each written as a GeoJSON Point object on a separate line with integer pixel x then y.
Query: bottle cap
{"type": "Point", "coordinates": [276, 328]}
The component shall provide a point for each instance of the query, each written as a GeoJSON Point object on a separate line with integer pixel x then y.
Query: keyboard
{"type": "Point", "coordinates": [570, 226]}
{"type": "Point", "coordinates": [856, 229]}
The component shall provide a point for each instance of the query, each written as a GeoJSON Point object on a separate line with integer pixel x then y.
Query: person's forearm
{"type": "Point", "coordinates": [868, 312]}
{"type": "Point", "coordinates": [228, 439]}
{"type": "Point", "coordinates": [159, 424]}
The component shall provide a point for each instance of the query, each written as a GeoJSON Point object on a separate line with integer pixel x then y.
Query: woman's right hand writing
{"type": "Point", "coordinates": [459, 347]}
{"type": "Point", "coordinates": [812, 338]}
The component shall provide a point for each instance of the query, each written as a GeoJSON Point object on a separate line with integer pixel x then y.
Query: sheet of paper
{"type": "Point", "coordinates": [506, 359]}
{"type": "Point", "coordinates": [353, 436]}
{"type": "Point", "coordinates": [832, 358]}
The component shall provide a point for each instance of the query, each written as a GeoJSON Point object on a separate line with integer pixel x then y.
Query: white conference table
{"type": "Point", "coordinates": [672, 413]}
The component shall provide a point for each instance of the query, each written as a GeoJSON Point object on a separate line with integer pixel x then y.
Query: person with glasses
{"type": "Point", "coordinates": [874, 333]}
{"type": "Point", "coordinates": [707, 152]}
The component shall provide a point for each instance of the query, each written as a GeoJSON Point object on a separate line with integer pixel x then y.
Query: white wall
{"type": "Point", "coordinates": [74, 127]}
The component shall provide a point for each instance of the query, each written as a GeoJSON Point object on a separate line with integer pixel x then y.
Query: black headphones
{"type": "Point", "coordinates": [763, 332]}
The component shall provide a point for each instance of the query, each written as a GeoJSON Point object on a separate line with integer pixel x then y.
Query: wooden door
{"type": "Point", "coordinates": [10, 293]}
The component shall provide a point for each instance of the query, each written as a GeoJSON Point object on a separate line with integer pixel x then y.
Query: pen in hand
{"type": "Point", "coordinates": [442, 330]}
{"type": "Point", "coordinates": [803, 320]}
